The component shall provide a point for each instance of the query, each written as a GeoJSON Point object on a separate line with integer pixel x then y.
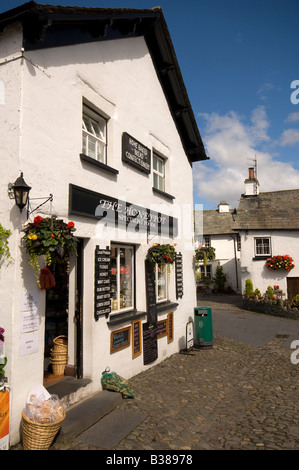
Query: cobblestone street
{"type": "Point", "coordinates": [232, 396]}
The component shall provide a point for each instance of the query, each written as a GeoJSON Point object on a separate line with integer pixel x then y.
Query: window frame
{"type": "Point", "coordinates": [97, 118]}
{"type": "Point", "coordinates": [160, 175]}
{"type": "Point", "coordinates": [264, 254]}
{"type": "Point", "coordinates": [120, 310]}
{"type": "Point", "coordinates": [165, 271]}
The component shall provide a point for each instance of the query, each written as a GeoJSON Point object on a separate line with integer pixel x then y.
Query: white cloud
{"type": "Point", "coordinates": [233, 144]}
{"type": "Point", "coordinates": [292, 117]}
{"type": "Point", "coordinates": [290, 137]}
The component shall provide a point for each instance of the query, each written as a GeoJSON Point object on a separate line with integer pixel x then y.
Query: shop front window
{"type": "Point", "coordinates": [161, 282]}
{"type": "Point", "coordinates": [122, 278]}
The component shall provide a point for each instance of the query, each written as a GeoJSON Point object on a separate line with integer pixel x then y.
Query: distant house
{"type": "Point", "coordinates": [265, 225]}
{"type": "Point", "coordinates": [219, 234]}
{"type": "Point", "coordinates": [268, 226]}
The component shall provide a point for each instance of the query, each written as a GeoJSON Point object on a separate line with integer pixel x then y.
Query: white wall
{"type": "Point", "coordinates": [283, 243]}
{"type": "Point", "coordinates": [40, 134]}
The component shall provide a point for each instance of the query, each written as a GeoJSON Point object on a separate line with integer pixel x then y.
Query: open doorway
{"type": "Point", "coordinates": [64, 318]}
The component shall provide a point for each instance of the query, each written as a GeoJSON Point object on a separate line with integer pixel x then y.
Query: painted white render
{"type": "Point", "coordinates": [282, 243]}
{"type": "Point", "coordinates": [40, 135]}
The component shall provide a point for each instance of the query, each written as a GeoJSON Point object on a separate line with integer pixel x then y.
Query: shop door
{"type": "Point", "coordinates": [56, 318]}
{"type": "Point", "coordinates": [64, 317]}
{"type": "Point", "coordinates": [292, 287]}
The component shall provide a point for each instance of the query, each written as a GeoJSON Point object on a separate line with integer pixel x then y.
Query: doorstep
{"type": "Point", "coordinates": [82, 408]}
{"type": "Point", "coordinates": [85, 414]}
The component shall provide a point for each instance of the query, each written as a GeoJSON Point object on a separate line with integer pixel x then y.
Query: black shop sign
{"type": "Point", "coordinates": [135, 153]}
{"type": "Point", "coordinates": [118, 213]}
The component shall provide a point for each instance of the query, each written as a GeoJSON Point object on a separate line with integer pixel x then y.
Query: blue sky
{"type": "Point", "coordinates": [238, 59]}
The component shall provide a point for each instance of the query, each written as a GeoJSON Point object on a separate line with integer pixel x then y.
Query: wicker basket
{"type": "Point", "coordinates": [60, 344]}
{"type": "Point", "coordinates": [58, 366]}
{"type": "Point", "coordinates": [37, 436]}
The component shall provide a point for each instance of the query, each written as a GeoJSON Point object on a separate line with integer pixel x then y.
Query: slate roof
{"type": "Point", "coordinates": [47, 26]}
{"type": "Point", "coordinates": [214, 223]}
{"type": "Point", "coordinates": [276, 210]}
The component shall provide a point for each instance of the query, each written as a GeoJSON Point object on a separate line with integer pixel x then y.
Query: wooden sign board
{"type": "Point", "coordinates": [120, 339]}
{"type": "Point", "coordinates": [170, 329]}
{"type": "Point", "coordinates": [162, 328]}
{"type": "Point", "coordinates": [136, 338]}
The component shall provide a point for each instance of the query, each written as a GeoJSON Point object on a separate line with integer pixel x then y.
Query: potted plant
{"type": "Point", "coordinates": [205, 254]}
{"type": "Point", "coordinates": [53, 239]}
{"type": "Point", "coordinates": [280, 262]}
{"type": "Point", "coordinates": [161, 254]}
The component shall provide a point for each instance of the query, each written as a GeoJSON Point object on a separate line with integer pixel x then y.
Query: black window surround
{"type": "Point", "coordinates": [97, 164]}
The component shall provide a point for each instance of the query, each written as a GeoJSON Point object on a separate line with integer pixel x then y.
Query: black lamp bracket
{"type": "Point", "coordinates": [47, 199]}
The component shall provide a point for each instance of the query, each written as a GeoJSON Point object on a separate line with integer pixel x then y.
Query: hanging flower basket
{"type": "Point", "coordinates": [280, 263]}
{"type": "Point", "coordinates": [161, 254]}
{"type": "Point", "coordinates": [204, 254]}
{"type": "Point", "coordinates": [54, 240]}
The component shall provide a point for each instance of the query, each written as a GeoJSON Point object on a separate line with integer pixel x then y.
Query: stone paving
{"type": "Point", "coordinates": [232, 396]}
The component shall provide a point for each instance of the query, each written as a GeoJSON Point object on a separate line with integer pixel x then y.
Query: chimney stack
{"type": "Point", "coordinates": [251, 184]}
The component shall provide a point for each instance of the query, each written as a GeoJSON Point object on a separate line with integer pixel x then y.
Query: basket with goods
{"type": "Point", "coordinates": [59, 355]}
{"type": "Point", "coordinates": [41, 419]}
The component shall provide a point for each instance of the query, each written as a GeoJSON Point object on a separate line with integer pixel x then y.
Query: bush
{"type": "Point", "coordinates": [248, 287]}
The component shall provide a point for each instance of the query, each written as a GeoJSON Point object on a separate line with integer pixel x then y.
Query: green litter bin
{"type": "Point", "coordinates": [203, 327]}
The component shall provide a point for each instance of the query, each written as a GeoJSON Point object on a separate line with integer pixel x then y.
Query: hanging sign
{"type": "Point", "coordinates": [135, 153]}
{"type": "Point", "coordinates": [179, 275]}
{"type": "Point", "coordinates": [150, 294]}
{"type": "Point", "coordinates": [102, 294]}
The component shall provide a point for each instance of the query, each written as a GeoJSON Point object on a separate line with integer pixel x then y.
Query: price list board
{"type": "Point", "coordinates": [179, 275]}
{"type": "Point", "coordinates": [102, 287]}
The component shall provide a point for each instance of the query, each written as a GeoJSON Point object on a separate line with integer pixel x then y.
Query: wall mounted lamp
{"type": "Point", "coordinates": [19, 191]}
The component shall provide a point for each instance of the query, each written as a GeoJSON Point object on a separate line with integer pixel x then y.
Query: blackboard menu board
{"type": "Point", "coordinates": [102, 294]}
{"type": "Point", "coordinates": [120, 339]}
{"type": "Point", "coordinates": [150, 346]}
{"type": "Point", "coordinates": [179, 275]}
{"type": "Point", "coordinates": [136, 338]}
{"type": "Point", "coordinates": [150, 294]}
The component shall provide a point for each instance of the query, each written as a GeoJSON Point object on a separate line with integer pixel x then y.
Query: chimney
{"type": "Point", "coordinates": [223, 207]}
{"type": "Point", "coordinates": [251, 184]}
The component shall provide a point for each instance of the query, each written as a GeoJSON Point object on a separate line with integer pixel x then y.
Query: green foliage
{"type": "Point", "coordinates": [51, 238]}
{"type": "Point", "coordinates": [248, 287]}
{"type": "Point", "coordinates": [205, 254]}
{"type": "Point", "coordinates": [220, 278]}
{"type": "Point", "coordinates": [4, 248]}
{"type": "Point", "coordinates": [270, 292]}
{"type": "Point", "coordinates": [161, 254]}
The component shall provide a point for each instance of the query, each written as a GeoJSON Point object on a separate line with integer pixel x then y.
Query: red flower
{"type": "Point", "coordinates": [52, 235]}
{"type": "Point", "coordinates": [37, 220]}
{"type": "Point", "coordinates": [166, 256]}
{"type": "Point", "coordinates": [71, 225]}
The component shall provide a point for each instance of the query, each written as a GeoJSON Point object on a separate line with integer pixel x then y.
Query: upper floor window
{"type": "Point", "coordinates": [158, 172]}
{"type": "Point", "coordinates": [94, 135]}
{"type": "Point", "coordinates": [262, 246]}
